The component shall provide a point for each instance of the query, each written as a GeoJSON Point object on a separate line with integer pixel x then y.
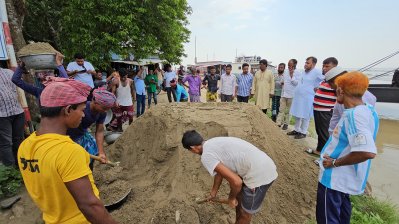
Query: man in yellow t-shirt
{"type": "Point", "coordinates": [56, 170]}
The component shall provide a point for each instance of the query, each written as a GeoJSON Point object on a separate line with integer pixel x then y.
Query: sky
{"type": "Point", "coordinates": [356, 32]}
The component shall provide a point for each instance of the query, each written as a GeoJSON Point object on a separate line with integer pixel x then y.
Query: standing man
{"type": "Point", "coordinates": [302, 104]}
{"type": "Point", "coordinates": [263, 86]}
{"type": "Point", "coordinates": [211, 81]}
{"type": "Point", "coordinates": [55, 169]}
{"type": "Point", "coordinates": [227, 85]}
{"type": "Point", "coordinates": [159, 73]}
{"type": "Point", "coordinates": [289, 84]}
{"type": "Point", "coordinates": [194, 85]}
{"type": "Point", "coordinates": [323, 105]}
{"type": "Point", "coordinates": [98, 79]}
{"type": "Point", "coordinates": [249, 171]}
{"type": "Point", "coordinates": [95, 113]}
{"type": "Point", "coordinates": [123, 89]}
{"type": "Point", "coordinates": [338, 110]}
{"type": "Point", "coordinates": [346, 158]}
{"type": "Point", "coordinates": [244, 84]}
{"type": "Point", "coordinates": [278, 80]}
{"type": "Point", "coordinates": [12, 119]}
{"type": "Point", "coordinates": [81, 70]}
{"type": "Point", "coordinates": [151, 80]}
{"type": "Point", "coordinates": [168, 76]}
{"type": "Point", "coordinates": [140, 92]}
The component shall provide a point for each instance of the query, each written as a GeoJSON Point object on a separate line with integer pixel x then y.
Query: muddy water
{"type": "Point", "coordinates": [384, 175]}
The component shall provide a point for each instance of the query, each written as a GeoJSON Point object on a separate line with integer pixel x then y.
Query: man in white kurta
{"type": "Point", "coordinates": [263, 86]}
{"type": "Point", "coordinates": [302, 104]}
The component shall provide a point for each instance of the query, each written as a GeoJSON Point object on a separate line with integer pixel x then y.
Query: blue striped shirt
{"type": "Point", "coordinates": [244, 83]}
{"type": "Point", "coordinates": [356, 132]}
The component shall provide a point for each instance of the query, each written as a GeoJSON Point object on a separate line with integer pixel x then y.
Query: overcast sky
{"type": "Point", "coordinates": [356, 32]}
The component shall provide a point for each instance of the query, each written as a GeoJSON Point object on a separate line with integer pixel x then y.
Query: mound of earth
{"type": "Point", "coordinates": [166, 180]}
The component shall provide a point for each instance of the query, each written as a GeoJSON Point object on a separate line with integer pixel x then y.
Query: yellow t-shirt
{"type": "Point", "coordinates": [48, 161]}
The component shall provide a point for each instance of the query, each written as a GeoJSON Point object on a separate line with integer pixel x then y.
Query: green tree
{"type": "Point", "coordinates": [98, 27]}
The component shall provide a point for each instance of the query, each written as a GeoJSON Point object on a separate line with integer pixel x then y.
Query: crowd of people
{"type": "Point", "coordinates": [57, 155]}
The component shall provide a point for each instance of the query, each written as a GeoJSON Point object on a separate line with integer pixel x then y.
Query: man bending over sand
{"type": "Point", "coordinates": [249, 171]}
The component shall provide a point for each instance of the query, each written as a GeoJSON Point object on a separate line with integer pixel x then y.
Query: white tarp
{"type": "Point", "coordinates": [3, 51]}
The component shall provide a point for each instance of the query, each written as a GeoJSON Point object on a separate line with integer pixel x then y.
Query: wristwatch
{"type": "Point", "coordinates": [333, 163]}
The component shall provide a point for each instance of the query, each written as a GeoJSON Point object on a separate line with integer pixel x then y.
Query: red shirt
{"type": "Point", "coordinates": [325, 98]}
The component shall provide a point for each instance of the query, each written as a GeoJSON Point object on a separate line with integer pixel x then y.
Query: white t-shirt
{"type": "Point", "coordinates": [367, 97]}
{"type": "Point", "coordinates": [356, 132]}
{"type": "Point", "coordinates": [241, 157]}
{"type": "Point", "coordinates": [168, 76]}
{"type": "Point", "coordinates": [83, 77]}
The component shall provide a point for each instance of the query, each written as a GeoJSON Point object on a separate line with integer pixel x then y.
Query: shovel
{"type": "Point", "coordinates": [217, 200]}
{"type": "Point", "coordinates": [119, 202]}
{"type": "Point", "coordinates": [108, 162]}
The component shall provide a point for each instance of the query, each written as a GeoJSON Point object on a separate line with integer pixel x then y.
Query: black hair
{"type": "Point", "coordinates": [151, 67]}
{"type": "Point", "coordinates": [191, 138]}
{"type": "Point", "coordinates": [282, 64]}
{"type": "Point", "coordinates": [54, 111]}
{"type": "Point", "coordinates": [294, 61]}
{"type": "Point", "coordinates": [314, 60]}
{"type": "Point", "coordinates": [245, 65]}
{"type": "Point", "coordinates": [229, 66]}
{"type": "Point", "coordinates": [330, 60]}
{"type": "Point", "coordinates": [156, 65]}
{"type": "Point", "coordinates": [212, 67]}
{"type": "Point", "coordinates": [167, 66]}
{"type": "Point", "coordinates": [79, 56]}
{"type": "Point", "coordinates": [263, 61]}
{"type": "Point", "coordinates": [122, 72]}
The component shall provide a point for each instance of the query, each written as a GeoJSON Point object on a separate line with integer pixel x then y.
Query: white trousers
{"type": "Point", "coordinates": [301, 125]}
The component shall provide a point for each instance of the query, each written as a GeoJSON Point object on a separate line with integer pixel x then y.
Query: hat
{"type": "Point", "coordinates": [60, 92]}
{"type": "Point", "coordinates": [334, 72]}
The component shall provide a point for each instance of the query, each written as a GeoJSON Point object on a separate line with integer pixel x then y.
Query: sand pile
{"type": "Point", "coordinates": [166, 179]}
{"type": "Point", "coordinates": [36, 48]}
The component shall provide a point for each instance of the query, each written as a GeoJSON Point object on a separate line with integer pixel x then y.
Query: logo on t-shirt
{"type": "Point", "coordinates": [32, 166]}
{"type": "Point", "coordinates": [360, 139]}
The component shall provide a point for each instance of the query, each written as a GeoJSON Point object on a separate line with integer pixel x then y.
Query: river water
{"type": "Point", "coordinates": [384, 174]}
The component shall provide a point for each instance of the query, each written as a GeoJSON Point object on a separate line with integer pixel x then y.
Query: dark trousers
{"type": "Point", "coordinates": [243, 99]}
{"type": "Point", "coordinates": [150, 96]}
{"type": "Point", "coordinates": [140, 104]}
{"type": "Point", "coordinates": [11, 136]}
{"type": "Point", "coordinates": [322, 122]}
{"type": "Point", "coordinates": [333, 207]}
{"type": "Point", "coordinates": [226, 98]}
{"type": "Point", "coordinates": [170, 91]}
{"type": "Point", "coordinates": [275, 107]}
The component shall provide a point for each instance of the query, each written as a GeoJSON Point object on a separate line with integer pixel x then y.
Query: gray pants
{"type": "Point", "coordinates": [11, 136]}
{"type": "Point", "coordinates": [226, 98]}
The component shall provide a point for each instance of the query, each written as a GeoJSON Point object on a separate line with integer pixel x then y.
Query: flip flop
{"type": "Point", "coordinates": [317, 162]}
{"type": "Point", "coordinates": [312, 152]}
{"type": "Point", "coordinates": [309, 151]}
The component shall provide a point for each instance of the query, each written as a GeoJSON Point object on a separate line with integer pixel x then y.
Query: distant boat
{"type": "Point", "coordinates": [385, 93]}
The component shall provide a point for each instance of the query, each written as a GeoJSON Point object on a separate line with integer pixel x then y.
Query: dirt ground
{"type": "Point", "coordinates": [166, 179]}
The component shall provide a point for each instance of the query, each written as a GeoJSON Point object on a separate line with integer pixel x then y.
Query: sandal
{"type": "Point", "coordinates": [317, 162]}
{"type": "Point", "coordinates": [309, 151]}
{"type": "Point", "coordinates": [312, 152]}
